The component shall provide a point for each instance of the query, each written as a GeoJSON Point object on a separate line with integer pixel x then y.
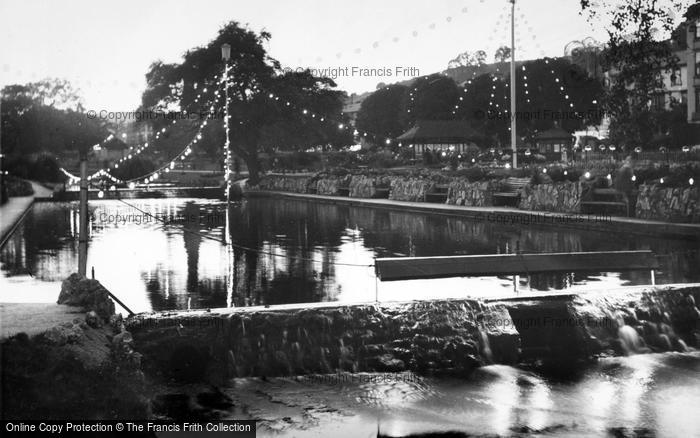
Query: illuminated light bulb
{"type": "Point", "coordinates": [544, 170]}
{"type": "Point", "coordinates": [388, 141]}
{"type": "Point", "coordinates": [129, 156]}
{"type": "Point", "coordinates": [587, 175]}
{"type": "Point", "coordinates": [634, 177]}
{"type": "Point", "coordinates": [162, 130]}
{"type": "Point", "coordinates": [566, 172]}
{"type": "Point", "coordinates": [691, 181]}
{"type": "Point", "coordinates": [609, 176]}
{"type": "Point", "coordinates": [507, 165]}
{"type": "Point", "coordinates": [132, 185]}
{"type": "Point", "coordinates": [100, 194]}
{"type": "Point", "coordinates": [113, 188]}
{"type": "Point", "coordinates": [661, 180]}
{"type": "Point", "coordinates": [167, 169]}
{"type": "Point", "coordinates": [473, 160]}
{"type": "Point", "coordinates": [304, 111]}
{"type": "Point", "coordinates": [116, 166]}
{"type": "Point", "coordinates": [271, 95]}
{"type": "Point", "coordinates": [155, 177]}
{"type": "Point", "coordinates": [341, 126]}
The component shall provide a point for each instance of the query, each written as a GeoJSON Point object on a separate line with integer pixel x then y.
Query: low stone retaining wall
{"type": "Point", "coordinates": [562, 197]}
{"type": "Point", "coordinates": [328, 186]}
{"type": "Point", "coordinates": [472, 194]}
{"type": "Point", "coordinates": [427, 337]}
{"type": "Point", "coordinates": [668, 204]}
{"type": "Point", "coordinates": [281, 183]}
{"type": "Point", "coordinates": [409, 189]}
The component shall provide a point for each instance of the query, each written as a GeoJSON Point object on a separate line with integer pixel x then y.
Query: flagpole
{"type": "Point", "coordinates": [513, 136]}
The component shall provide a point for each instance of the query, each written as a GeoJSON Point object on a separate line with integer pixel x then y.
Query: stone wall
{"type": "Point", "coordinates": [668, 204]}
{"type": "Point", "coordinates": [362, 186]}
{"type": "Point", "coordinates": [327, 186]}
{"type": "Point", "coordinates": [409, 189]}
{"type": "Point", "coordinates": [281, 183]}
{"type": "Point", "coordinates": [560, 197]}
{"type": "Point", "coordinates": [426, 337]}
{"type": "Point", "coordinates": [473, 194]}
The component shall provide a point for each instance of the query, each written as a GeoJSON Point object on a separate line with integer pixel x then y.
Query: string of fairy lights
{"type": "Point", "coordinates": [137, 150]}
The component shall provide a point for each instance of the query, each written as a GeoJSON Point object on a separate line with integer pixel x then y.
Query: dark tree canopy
{"type": "Point", "coordinates": [639, 51]}
{"type": "Point", "coordinates": [381, 114]}
{"type": "Point", "coordinates": [258, 121]}
{"type": "Point", "coordinates": [46, 117]}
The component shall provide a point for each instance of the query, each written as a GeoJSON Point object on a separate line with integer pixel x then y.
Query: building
{"type": "Point", "coordinates": [554, 142]}
{"type": "Point", "coordinates": [683, 84]}
{"type": "Point", "coordinates": [441, 136]}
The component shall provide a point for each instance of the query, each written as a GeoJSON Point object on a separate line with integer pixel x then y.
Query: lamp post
{"type": "Point", "coordinates": [83, 215]}
{"type": "Point", "coordinates": [226, 57]}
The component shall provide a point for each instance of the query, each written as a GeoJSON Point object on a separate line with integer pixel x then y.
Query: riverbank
{"type": "Point", "coordinates": [73, 365]}
{"type": "Point", "coordinates": [508, 216]}
{"type": "Point", "coordinates": [12, 212]}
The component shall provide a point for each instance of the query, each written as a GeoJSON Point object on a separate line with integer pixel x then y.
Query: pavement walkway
{"type": "Point", "coordinates": [512, 216]}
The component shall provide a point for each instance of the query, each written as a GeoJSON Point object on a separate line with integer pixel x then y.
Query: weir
{"type": "Point", "coordinates": [428, 337]}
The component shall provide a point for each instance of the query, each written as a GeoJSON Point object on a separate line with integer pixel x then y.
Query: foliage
{"type": "Point", "coordinates": [502, 54]}
{"type": "Point", "coordinates": [381, 112]}
{"type": "Point", "coordinates": [468, 58]}
{"type": "Point", "coordinates": [46, 116]}
{"type": "Point", "coordinates": [259, 122]}
{"type": "Point", "coordinates": [44, 168]}
{"type": "Point", "coordinates": [636, 56]}
{"type": "Point", "coordinates": [18, 187]}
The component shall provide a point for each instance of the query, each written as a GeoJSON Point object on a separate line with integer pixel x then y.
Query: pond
{"type": "Point", "coordinates": [290, 251]}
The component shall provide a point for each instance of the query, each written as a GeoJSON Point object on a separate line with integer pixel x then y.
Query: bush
{"type": "Point", "coordinates": [18, 187]}
{"type": "Point", "coordinates": [43, 169]}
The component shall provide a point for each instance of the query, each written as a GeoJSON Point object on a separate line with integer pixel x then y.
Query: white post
{"type": "Point", "coordinates": [513, 137]}
{"type": "Point", "coordinates": [83, 226]}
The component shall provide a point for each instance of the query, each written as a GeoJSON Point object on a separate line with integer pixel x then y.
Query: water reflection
{"type": "Point", "coordinates": [286, 251]}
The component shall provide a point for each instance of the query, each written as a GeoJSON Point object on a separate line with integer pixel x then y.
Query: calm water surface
{"type": "Point", "coordinates": [289, 251]}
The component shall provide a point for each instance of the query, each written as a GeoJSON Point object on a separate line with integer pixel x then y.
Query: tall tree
{"type": "Point", "coordinates": [502, 54]}
{"type": "Point", "coordinates": [433, 98]}
{"type": "Point", "coordinates": [468, 59]}
{"type": "Point", "coordinates": [636, 57]}
{"type": "Point", "coordinates": [46, 116]}
{"type": "Point", "coordinates": [381, 113]}
{"type": "Point", "coordinates": [259, 90]}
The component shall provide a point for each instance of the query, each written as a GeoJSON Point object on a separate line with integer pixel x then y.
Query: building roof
{"type": "Point", "coordinates": [442, 131]}
{"type": "Point", "coordinates": [555, 133]}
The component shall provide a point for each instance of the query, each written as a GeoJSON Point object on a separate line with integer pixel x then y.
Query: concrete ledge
{"type": "Point", "coordinates": [509, 216]}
